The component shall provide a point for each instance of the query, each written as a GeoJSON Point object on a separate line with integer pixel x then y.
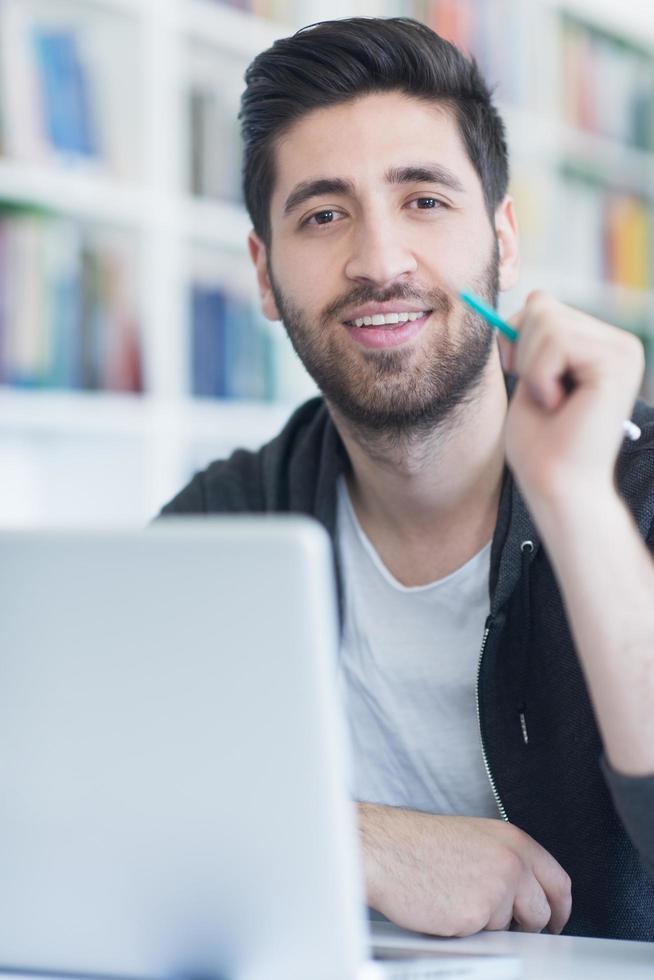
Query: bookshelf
{"type": "Point", "coordinates": [133, 164]}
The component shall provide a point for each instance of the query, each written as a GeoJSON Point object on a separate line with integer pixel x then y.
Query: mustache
{"type": "Point", "coordinates": [437, 300]}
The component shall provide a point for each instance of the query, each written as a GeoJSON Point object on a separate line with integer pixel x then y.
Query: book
{"type": "Point", "coordinates": [215, 148]}
{"type": "Point", "coordinates": [62, 276]}
{"type": "Point", "coordinates": [68, 113]}
{"type": "Point", "coordinates": [23, 137]}
{"type": "Point", "coordinates": [208, 369]}
{"type": "Point", "coordinates": [245, 352]}
{"type": "Point", "coordinates": [628, 251]}
{"type": "Point", "coordinates": [68, 92]}
{"type": "Point", "coordinates": [4, 306]}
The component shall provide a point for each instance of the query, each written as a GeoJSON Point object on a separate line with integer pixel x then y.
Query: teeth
{"type": "Point", "coordinates": [380, 320]}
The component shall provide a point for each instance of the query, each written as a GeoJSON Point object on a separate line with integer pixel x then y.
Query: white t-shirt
{"type": "Point", "coordinates": [408, 667]}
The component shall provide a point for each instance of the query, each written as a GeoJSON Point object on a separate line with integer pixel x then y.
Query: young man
{"type": "Point", "coordinates": [462, 503]}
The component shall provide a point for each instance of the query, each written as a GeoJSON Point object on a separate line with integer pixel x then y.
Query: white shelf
{"type": "Point", "coordinates": [81, 413]}
{"type": "Point", "coordinates": [606, 294]}
{"type": "Point", "coordinates": [582, 292]}
{"type": "Point", "coordinates": [131, 8]}
{"type": "Point", "coordinates": [76, 191]}
{"type": "Point", "coordinates": [238, 31]}
{"type": "Point", "coordinates": [80, 193]}
{"type": "Point", "coordinates": [72, 412]}
{"type": "Point", "coordinates": [232, 422]}
{"type": "Point", "coordinates": [216, 223]}
{"type": "Point", "coordinates": [633, 168]}
{"type": "Point", "coordinates": [554, 142]}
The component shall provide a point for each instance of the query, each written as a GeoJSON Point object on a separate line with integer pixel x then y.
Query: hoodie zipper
{"type": "Point", "coordinates": [500, 805]}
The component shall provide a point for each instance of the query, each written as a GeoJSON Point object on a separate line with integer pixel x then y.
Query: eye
{"type": "Point", "coordinates": [433, 203]}
{"type": "Point", "coordinates": [327, 213]}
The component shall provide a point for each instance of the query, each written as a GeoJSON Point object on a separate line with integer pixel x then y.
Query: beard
{"type": "Point", "coordinates": [403, 392]}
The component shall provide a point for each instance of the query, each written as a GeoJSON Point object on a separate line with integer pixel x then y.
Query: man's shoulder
{"type": "Point", "coordinates": [254, 481]}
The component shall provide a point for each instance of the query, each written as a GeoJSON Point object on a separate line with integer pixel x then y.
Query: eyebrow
{"type": "Point", "coordinates": [417, 174]}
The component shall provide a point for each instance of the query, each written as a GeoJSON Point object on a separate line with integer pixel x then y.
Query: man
{"type": "Point", "coordinates": [461, 504]}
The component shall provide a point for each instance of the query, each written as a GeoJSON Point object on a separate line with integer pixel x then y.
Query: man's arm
{"type": "Point", "coordinates": [606, 575]}
{"type": "Point", "coordinates": [454, 876]}
{"type": "Point", "coordinates": [578, 381]}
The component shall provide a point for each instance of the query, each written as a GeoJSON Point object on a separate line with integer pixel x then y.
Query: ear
{"type": "Point", "coordinates": [506, 229]}
{"type": "Point", "coordinates": [257, 251]}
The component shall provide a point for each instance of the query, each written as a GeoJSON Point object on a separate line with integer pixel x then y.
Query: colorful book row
{"type": "Point", "coordinates": [607, 86]}
{"type": "Point", "coordinates": [68, 314]}
{"type": "Point", "coordinates": [231, 351]}
{"type": "Point", "coordinates": [604, 235]}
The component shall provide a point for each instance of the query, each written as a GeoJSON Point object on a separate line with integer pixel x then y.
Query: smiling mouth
{"type": "Point", "coordinates": [388, 321]}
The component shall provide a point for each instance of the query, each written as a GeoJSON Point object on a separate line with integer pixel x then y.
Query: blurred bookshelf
{"type": "Point", "coordinates": [132, 348]}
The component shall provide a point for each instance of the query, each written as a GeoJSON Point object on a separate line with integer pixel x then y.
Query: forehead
{"type": "Point", "coordinates": [360, 139]}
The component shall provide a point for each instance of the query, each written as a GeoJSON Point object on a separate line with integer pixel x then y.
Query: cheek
{"type": "Point", "coordinates": [311, 283]}
{"type": "Point", "coordinates": [460, 257]}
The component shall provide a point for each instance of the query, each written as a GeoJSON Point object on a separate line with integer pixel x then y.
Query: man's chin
{"type": "Point", "coordinates": [397, 400]}
{"type": "Point", "coordinates": [387, 415]}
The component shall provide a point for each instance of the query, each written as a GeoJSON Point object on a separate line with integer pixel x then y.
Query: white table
{"type": "Point", "coordinates": [544, 957]}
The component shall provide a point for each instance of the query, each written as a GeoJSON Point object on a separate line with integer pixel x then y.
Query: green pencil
{"type": "Point", "coordinates": [489, 315]}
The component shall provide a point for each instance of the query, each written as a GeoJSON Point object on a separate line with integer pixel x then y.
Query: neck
{"type": "Point", "coordinates": [412, 490]}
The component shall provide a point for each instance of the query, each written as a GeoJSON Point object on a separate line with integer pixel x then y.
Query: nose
{"type": "Point", "coordinates": [379, 254]}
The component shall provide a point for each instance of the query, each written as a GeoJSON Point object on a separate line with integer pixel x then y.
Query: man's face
{"type": "Point", "coordinates": [376, 236]}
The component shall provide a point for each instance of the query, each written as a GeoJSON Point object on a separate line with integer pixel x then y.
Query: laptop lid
{"type": "Point", "coordinates": [171, 775]}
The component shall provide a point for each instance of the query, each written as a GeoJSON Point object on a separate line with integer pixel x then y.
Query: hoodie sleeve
{"type": "Point", "coordinates": [190, 500]}
{"type": "Point", "coordinates": [634, 800]}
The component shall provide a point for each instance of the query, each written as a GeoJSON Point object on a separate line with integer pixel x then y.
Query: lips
{"type": "Point", "coordinates": [389, 335]}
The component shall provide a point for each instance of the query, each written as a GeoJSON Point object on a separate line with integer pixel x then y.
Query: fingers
{"type": "Point", "coordinates": [531, 910]}
{"type": "Point", "coordinates": [556, 340]}
{"type": "Point", "coordinates": [553, 339]}
{"type": "Point", "coordinates": [544, 372]}
{"type": "Point", "coordinates": [523, 906]}
{"type": "Point", "coordinates": [560, 897]}
{"type": "Point", "coordinates": [556, 886]}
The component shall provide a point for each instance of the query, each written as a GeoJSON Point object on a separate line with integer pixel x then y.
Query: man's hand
{"type": "Point", "coordinates": [578, 381]}
{"type": "Point", "coordinates": [454, 876]}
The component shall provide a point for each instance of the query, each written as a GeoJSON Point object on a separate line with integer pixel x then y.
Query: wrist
{"type": "Point", "coordinates": [578, 536]}
{"type": "Point", "coordinates": [578, 513]}
{"type": "Point", "coordinates": [368, 817]}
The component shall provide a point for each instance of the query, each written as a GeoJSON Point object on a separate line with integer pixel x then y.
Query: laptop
{"type": "Point", "coordinates": [173, 758]}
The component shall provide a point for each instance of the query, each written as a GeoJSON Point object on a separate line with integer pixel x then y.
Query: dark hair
{"type": "Point", "coordinates": [336, 61]}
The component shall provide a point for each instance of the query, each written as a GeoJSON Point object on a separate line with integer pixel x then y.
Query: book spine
{"type": "Point", "coordinates": [65, 92]}
{"type": "Point", "coordinates": [4, 311]}
{"type": "Point", "coordinates": [245, 355]}
{"type": "Point", "coordinates": [65, 313]}
{"type": "Point", "coordinates": [208, 342]}
{"type": "Point", "coordinates": [22, 130]}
